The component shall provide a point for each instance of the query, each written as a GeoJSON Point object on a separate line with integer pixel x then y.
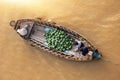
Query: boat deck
{"type": "Point", "coordinates": [38, 34]}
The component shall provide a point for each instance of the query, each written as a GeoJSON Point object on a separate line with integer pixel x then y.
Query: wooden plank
{"type": "Point", "coordinates": [38, 34]}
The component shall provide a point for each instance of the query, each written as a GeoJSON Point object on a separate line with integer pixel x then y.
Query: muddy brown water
{"type": "Point", "coordinates": [97, 20]}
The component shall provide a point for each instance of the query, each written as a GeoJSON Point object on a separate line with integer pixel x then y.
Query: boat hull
{"type": "Point", "coordinates": [35, 37]}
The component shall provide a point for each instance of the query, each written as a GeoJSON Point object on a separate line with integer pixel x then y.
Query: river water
{"type": "Point", "coordinates": [97, 20]}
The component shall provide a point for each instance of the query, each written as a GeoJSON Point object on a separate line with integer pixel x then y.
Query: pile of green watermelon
{"type": "Point", "coordinates": [58, 40]}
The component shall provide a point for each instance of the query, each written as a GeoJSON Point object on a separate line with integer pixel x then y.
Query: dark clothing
{"type": "Point", "coordinates": [84, 51]}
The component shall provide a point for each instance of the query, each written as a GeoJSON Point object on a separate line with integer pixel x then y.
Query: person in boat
{"type": "Point", "coordinates": [79, 45]}
{"type": "Point", "coordinates": [86, 52]}
{"type": "Point", "coordinates": [88, 56]}
{"type": "Point", "coordinates": [23, 31]}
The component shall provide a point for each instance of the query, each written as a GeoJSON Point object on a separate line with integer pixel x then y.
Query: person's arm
{"type": "Point", "coordinates": [90, 53]}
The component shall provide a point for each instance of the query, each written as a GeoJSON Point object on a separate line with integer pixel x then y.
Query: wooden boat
{"type": "Point", "coordinates": [35, 36]}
